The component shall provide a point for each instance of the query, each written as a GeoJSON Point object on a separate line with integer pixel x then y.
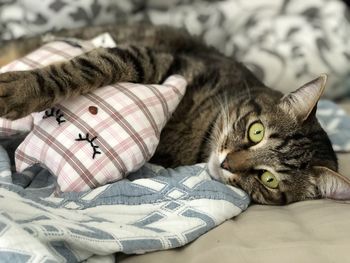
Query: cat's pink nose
{"type": "Point", "coordinates": [224, 165]}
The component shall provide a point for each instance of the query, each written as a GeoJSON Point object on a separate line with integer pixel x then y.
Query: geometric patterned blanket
{"type": "Point", "coordinates": [153, 209]}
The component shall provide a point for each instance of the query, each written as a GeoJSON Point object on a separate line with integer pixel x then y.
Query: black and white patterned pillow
{"type": "Point", "coordinates": [28, 17]}
{"type": "Point", "coordinates": [286, 43]}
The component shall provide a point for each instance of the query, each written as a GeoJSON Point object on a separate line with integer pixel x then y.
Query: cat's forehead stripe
{"type": "Point", "coordinates": [257, 108]}
{"type": "Point", "coordinates": [241, 122]}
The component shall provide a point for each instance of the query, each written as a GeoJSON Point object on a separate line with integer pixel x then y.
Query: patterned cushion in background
{"type": "Point", "coordinates": [286, 43]}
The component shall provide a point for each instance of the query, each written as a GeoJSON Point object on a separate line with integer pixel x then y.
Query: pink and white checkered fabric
{"type": "Point", "coordinates": [102, 136]}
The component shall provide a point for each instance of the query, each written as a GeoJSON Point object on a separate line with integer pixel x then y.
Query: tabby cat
{"type": "Point", "coordinates": [253, 137]}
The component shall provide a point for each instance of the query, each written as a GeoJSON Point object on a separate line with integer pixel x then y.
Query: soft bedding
{"type": "Point", "coordinates": [154, 209]}
{"type": "Point", "coordinates": [304, 232]}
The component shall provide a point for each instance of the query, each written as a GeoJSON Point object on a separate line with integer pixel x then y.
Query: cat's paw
{"type": "Point", "coordinates": [19, 94]}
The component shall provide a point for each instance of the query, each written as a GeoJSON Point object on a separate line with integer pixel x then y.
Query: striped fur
{"type": "Point", "coordinates": [223, 98]}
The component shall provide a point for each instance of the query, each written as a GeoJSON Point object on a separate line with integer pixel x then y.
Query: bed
{"type": "Point", "coordinates": [297, 41]}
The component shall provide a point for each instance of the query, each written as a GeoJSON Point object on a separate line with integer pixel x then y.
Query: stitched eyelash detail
{"type": "Point", "coordinates": [53, 112]}
{"type": "Point", "coordinates": [91, 141]}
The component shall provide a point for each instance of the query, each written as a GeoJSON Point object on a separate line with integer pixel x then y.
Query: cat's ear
{"type": "Point", "coordinates": [331, 184]}
{"type": "Point", "coordinates": [303, 102]}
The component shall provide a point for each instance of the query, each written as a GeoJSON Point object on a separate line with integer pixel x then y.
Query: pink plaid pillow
{"type": "Point", "coordinates": [102, 136]}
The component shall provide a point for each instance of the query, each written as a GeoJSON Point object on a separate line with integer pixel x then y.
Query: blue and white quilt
{"type": "Point", "coordinates": [154, 209]}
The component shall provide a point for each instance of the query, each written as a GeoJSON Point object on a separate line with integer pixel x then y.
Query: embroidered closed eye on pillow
{"type": "Point", "coordinates": [97, 138]}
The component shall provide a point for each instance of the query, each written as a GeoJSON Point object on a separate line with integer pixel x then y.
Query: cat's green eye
{"type": "Point", "coordinates": [256, 132]}
{"type": "Point", "coordinates": [269, 180]}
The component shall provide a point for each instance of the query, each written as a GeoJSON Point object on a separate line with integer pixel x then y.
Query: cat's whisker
{"type": "Point", "coordinates": [247, 89]}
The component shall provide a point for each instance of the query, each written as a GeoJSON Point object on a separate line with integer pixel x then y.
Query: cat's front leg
{"type": "Point", "coordinates": [24, 92]}
{"type": "Point", "coordinates": [21, 93]}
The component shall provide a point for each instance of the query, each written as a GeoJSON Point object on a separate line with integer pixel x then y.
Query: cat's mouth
{"type": "Point", "coordinates": [215, 170]}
